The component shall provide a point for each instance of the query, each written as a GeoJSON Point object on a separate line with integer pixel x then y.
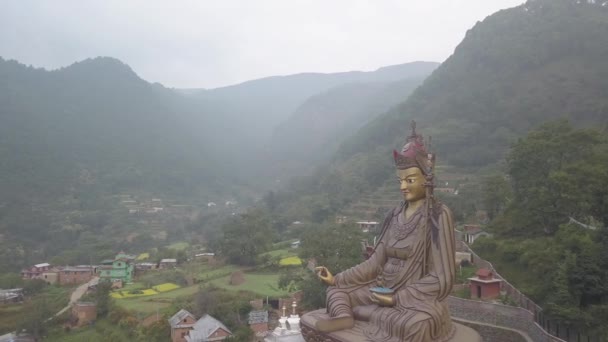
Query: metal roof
{"type": "Point", "coordinates": [205, 327]}
{"type": "Point", "coordinates": [179, 317]}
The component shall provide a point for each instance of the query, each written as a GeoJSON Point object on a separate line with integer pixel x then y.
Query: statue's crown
{"type": "Point", "coordinates": [413, 153]}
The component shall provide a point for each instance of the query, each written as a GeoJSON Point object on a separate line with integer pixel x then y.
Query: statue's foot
{"type": "Point", "coordinates": [335, 323]}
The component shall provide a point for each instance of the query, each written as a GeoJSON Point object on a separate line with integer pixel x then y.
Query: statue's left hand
{"type": "Point", "coordinates": [383, 300]}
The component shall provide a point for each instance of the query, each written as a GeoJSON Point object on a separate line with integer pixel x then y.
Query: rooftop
{"type": "Point", "coordinates": [204, 327]}
{"type": "Point", "coordinates": [179, 317]}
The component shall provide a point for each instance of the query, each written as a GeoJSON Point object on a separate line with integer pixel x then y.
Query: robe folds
{"type": "Point", "coordinates": [420, 312]}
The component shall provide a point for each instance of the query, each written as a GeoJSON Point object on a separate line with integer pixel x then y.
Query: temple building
{"type": "Point", "coordinates": [484, 286]}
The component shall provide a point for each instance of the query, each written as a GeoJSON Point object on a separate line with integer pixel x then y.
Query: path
{"type": "Point", "coordinates": [76, 295]}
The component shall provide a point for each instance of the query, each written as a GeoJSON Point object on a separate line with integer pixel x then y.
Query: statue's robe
{"type": "Point", "coordinates": [420, 312]}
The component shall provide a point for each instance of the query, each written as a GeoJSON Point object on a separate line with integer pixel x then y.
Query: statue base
{"type": "Point", "coordinates": [307, 323]}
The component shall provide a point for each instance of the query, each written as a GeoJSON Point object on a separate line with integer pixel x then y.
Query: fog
{"type": "Point", "coordinates": [194, 44]}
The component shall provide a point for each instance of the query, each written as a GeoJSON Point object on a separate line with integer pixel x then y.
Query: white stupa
{"type": "Point", "coordinates": [288, 329]}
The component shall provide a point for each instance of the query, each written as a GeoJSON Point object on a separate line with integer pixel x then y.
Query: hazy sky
{"type": "Point", "coordinates": [211, 43]}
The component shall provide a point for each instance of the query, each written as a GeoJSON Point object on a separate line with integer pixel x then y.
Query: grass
{"type": "Point", "coordinates": [279, 253]}
{"type": "Point", "coordinates": [10, 315]}
{"type": "Point", "coordinates": [149, 304]}
{"type": "Point", "coordinates": [101, 332]}
{"type": "Point", "coordinates": [126, 292]}
{"type": "Point", "coordinates": [261, 284]}
{"type": "Point", "coordinates": [207, 273]}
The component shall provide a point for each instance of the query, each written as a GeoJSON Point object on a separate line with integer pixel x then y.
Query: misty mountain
{"type": "Point", "coordinates": [98, 118]}
{"type": "Point", "coordinates": [246, 114]}
{"type": "Point", "coordinates": [518, 68]}
{"type": "Point", "coordinates": [320, 124]}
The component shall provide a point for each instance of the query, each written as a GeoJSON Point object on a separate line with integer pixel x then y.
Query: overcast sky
{"type": "Point", "coordinates": [207, 44]}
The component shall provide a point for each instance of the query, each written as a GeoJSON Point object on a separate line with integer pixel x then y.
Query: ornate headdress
{"type": "Point", "coordinates": [414, 154]}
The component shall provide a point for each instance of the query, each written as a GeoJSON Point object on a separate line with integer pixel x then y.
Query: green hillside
{"type": "Point", "coordinates": [516, 69]}
{"type": "Point", "coordinates": [321, 123]}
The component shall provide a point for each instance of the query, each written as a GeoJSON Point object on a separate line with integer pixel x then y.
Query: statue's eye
{"type": "Point", "coordinates": [411, 180]}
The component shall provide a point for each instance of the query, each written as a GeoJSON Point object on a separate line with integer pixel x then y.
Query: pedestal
{"type": "Point", "coordinates": [307, 323]}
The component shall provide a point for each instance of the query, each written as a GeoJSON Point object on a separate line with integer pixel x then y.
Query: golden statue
{"type": "Point", "coordinates": [400, 290]}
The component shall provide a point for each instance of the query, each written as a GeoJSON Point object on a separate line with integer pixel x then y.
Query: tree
{"type": "Point", "coordinates": [335, 246]}
{"type": "Point", "coordinates": [246, 236]}
{"type": "Point", "coordinates": [550, 176]}
{"type": "Point", "coordinates": [35, 315]}
{"type": "Point", "coordinates": [102, 298]}
{"type": "Point", "coordinates": [496, 193]}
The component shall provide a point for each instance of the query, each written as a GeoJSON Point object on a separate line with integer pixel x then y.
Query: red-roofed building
{"type": "Point", "coordinates": [484, 285]}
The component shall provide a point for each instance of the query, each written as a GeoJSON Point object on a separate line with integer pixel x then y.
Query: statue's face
{"type": "Point", "coordinates": [412, 184]}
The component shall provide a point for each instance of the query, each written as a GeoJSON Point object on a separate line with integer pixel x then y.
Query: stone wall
{"type": "Point", "coordinates": [500, 315]}
{"type": "Point", "coordinates": [494, 334]}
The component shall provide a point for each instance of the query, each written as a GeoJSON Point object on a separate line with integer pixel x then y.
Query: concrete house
{"type": "Point", "coordinates": [35, 272]}
{"type": "Point", "coordinates": [121, 269]}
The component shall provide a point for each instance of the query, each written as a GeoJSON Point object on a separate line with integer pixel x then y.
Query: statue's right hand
{"type": "Point", "coordinates": [324, 274]}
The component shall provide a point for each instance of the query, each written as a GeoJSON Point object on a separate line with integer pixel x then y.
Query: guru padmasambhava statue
{"type": "Point", "coordinates": [400, 290]}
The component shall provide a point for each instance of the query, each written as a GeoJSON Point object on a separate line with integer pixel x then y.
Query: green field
{"type": "Point", "coordinates": [283, 253]}
{"type": "Point", "coordinates": [149, 304]}
{"type": "Point", "coordinates": [10, 315]}
{"type": "Point", "coordinates": [261, 284]}
{"type": "Point", "coordinates": [179, 246]}
{"type": "Point", "coordinates": [207, 273]}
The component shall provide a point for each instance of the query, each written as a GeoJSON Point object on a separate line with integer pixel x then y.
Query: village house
{"type": "Point", "coordinates": [51, 277]}
{"type": "Point", "coordinates": [70, 275]}
{"type": "Point", "coordinates": [341, 219]}
{"type": "Point", "coordinates": [35, 272]}
{"type": "Point", "coordinates": [185, 328]}
{"type": "Point", "coordinates": [206, 257]}
{"type": "Point", "coordinates": [167, 263]}
{"type": "Point", "coordinates": [366, 226]}
{"type": "Point", "coordinates": [120, 270]}
{"type": "Point", "coordinates": [451, 191]}
{"type": "Point", "coordinates": [208, 328]}
{"type": "Point", "coordinates": [181, 323]}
